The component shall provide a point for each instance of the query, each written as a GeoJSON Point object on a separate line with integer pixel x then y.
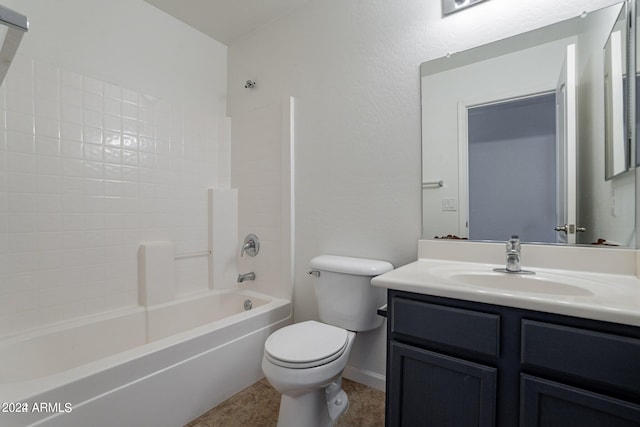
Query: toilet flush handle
{"type": "Point", "coordinates": [314, 273]}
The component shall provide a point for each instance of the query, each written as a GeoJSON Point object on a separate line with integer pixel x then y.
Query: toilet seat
{"type": "Point", "coordinates": [305, 345]}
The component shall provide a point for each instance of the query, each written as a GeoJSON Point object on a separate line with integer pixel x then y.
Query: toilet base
{"type": "Point", "coordinates": [316, 408]}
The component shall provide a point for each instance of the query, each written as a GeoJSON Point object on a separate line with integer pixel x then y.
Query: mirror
{"type": "Point", "coordinates": [615, 75]}
{"type": "Point", "coordinates": [513, 140]}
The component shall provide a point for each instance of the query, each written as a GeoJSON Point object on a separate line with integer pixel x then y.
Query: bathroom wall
{"type": "Point", "coordinates": [353, 68]}
{"type": "Point", "coordinates": [111, 130]}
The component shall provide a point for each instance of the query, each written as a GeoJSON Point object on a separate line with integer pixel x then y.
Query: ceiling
{"type": "Point", "coordinates": [227, 20]}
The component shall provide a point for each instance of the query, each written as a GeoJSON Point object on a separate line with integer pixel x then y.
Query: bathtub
{"type": "Point", "coordinates": [158, 366]}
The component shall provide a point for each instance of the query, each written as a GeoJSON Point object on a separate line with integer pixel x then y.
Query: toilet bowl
{"type": "Point", "coordinates": [304, 361]}
{"type": "Point", "coordinates": [306, 370]}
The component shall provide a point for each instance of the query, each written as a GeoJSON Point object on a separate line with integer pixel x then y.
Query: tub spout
{"type": "Point", "coordinates": [246, 276]}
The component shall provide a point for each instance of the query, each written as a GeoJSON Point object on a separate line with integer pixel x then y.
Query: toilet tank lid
{"type": "Point", "coordinates": [350, 265]}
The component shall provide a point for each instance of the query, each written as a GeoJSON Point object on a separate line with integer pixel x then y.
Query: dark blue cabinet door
{"type": "Point", "coordinates": [550, 404]}
{"type": "Point", "coordinates": [434, 390]}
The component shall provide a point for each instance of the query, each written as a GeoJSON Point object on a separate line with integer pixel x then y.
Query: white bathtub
{"type": "Point", "coordinates": [157, 366]}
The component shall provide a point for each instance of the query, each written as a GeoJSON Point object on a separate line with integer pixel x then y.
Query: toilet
{"type": "Point", "coordinates": [304, 361]}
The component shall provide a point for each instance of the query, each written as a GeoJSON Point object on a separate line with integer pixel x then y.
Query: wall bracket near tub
{"type": "Point", "coordinates": [16, 25]}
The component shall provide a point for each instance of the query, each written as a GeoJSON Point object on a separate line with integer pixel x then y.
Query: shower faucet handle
{"type": "Point", "coordinates": [251, 245]}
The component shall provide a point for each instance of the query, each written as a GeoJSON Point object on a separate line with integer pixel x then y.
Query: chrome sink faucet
{"type": "Point", "coordinates": [513, 255]}
{"type": "Point", "coordinates": [513, 258]}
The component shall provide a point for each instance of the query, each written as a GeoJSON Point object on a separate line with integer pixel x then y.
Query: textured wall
{"type": "Point", "coordinates": [354, 70]}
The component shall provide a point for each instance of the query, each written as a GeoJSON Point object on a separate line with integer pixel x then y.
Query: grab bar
{"type": "Point", "coordinates": [439, 183]}
{"type": "Point", "coordinates": [192, 254]}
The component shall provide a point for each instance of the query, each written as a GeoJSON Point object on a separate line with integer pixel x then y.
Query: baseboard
{"type": "Point", "coordinates": [363, 376]}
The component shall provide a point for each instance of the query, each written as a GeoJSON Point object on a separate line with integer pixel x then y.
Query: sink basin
{"type": "Point", "coordinates": [549, 284]}
{"type": "Point", "coordinates": [596, 284]}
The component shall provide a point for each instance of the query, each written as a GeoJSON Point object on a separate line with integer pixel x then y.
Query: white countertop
{"type": "Point", "coordinates": [608, 297]}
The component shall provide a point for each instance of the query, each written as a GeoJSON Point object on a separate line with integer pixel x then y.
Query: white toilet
{"type": "Point", "coordinates": [304, 361]}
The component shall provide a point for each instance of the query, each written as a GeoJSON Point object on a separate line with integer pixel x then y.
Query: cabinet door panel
{"type": "Point", "coordinates": [549, 404]}
{"type": "Point", "coordinates": [609, 359]}
{"type": "Point", "coordinates": [434, 390]}
{"type": "Point", "coordinates": [464, 329]}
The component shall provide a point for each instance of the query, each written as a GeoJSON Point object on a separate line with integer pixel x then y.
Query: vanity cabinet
{"type": "Point", "coordinates": [460, 363]}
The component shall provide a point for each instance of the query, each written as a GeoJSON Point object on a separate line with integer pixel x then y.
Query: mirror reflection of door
{"type": "Point", "coordinates": [512, 169]}
{"type": "Point", "coordinates": [521, 164]}
{"type": "Point", "coordinates": [567, 120]}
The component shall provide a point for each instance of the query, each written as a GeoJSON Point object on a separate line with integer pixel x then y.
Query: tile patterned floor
{"type": "Point", "coordinates": [257, 406]}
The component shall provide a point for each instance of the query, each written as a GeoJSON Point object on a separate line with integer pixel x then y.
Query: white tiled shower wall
{"type": "Point", "coordinates": [261, 170]}
{"type": "Point", "coordinates": [88, 170]}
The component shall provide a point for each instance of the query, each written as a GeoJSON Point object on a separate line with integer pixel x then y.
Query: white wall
{"type": "Point", "coordinates": [129, 43]}
{"type": "Point", "coordinates": [353, 68]}
{"type": "Point", "coordinates": [110, 125]}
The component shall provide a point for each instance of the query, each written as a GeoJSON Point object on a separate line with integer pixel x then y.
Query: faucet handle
{"type": "Point", "coordinates": [513, 244]}
{"type": "Point", "coordinates": [251, 245]}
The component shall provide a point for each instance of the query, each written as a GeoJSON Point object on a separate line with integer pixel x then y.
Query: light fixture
{"type": "Point", "coordinates": [450, 6]}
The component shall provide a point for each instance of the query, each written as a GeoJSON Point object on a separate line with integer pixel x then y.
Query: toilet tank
{"type": "Point", "coordinates": [343, 289]}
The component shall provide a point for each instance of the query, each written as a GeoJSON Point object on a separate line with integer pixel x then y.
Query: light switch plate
{"type": "Point", "coordinates": [449, 204]}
